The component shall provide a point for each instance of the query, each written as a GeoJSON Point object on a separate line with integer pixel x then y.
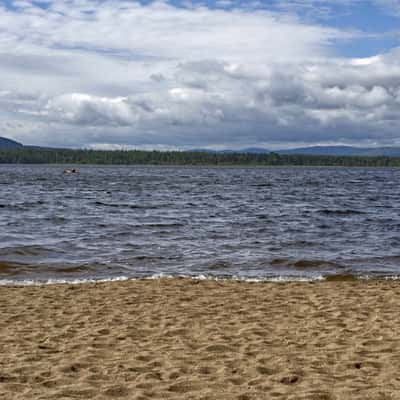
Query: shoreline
{"type": "Point", "coordinates": [217, 166]}
{"type": "Point", "coordinates": [282, 279]}
{"type": "Point", "coordinates": [201, 339]}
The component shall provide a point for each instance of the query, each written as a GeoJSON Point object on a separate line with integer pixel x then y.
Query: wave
{"type": "Point", "coordinates": [52, 281]}
{"type": "Point", "coordinates": [276, 279]}
{"type": "Point", "coordinates": [22, 206]}
{"type": "Point", "coordinates": [25, 250]}
{"type": "Point", "coordinates": [391, 259]}
{"type": "Point", "coordinates": [127, 205]}
{"type": "Point", "coordinates": [78, 281]}
{"type": "Point", "coordinates": [73, 269]}
{"type": "Point", "coordinates": [303, 264]}
{"type": "Point", "coordinates": [340, 212]}
{"type": "Point", "coordinates": [266, 184]}
{"type": "Point", "coordinates": [11, 268]}
{"type": "Point", "coordinates": [219, 265]}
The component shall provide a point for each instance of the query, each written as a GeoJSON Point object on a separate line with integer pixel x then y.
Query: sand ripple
{"type": "Point", "coordinates": [183, 339]}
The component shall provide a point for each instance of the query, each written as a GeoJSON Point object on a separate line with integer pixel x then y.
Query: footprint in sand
{"type": "Point", "coordinates": [264, 370]}
{"type": "Point", "coordinates": [117, 391]}
{"type": "Point", "coordinates": [290, 379]}
{"type": "Point", "coordinates": [182, 387]}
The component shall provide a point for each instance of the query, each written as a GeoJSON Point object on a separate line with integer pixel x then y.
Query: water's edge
{"type": "Point", "coordinates": [275, 279]}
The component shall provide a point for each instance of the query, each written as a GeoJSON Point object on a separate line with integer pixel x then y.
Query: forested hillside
{"type": "Point", "coordinates": [32, 155]}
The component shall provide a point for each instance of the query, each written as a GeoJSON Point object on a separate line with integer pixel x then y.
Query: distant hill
{"type": "Point", "coordinates": [306, 151]}
{"type": "Point", "coordinates": [256, 150]}
{"type": "Point", "coordinates": [9, 144]}
{"type": "Point", "coordinates": [344, 151]}
{"type": "Point", "coordinates": [249, 150]}
{"type": "Point", "coordinates": [318, 151]}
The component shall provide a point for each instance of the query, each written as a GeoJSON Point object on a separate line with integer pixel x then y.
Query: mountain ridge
{"type": "Point", "coordinates": [319, 151]}
{"type": "Point", "coordinates": [6, 143]}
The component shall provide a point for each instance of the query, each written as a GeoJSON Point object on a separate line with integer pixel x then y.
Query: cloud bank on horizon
{"type": "Point", "coordinates": [182, 74]}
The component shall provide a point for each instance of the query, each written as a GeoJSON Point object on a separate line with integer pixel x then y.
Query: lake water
{"type": "Point", "coordinates": [248, 223]}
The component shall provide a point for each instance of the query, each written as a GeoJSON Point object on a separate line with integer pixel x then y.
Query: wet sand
{"type": "Point", "coordinates": [184, 339]}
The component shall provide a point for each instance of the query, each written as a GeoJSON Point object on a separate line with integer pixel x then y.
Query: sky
{"type": "Point", "coordinates": [217, 74]}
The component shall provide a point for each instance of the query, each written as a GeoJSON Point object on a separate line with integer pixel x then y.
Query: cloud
{"type": "Point", "coordinates": [83, 109]}
{"type": "Point", "coordinates": [95, 73]}
{"type": "Point", "coordinates": [213, 102]}
{"type": "Point", "coordinates": [160, 31]}
{"type": "Point", "coordinates": [392, 7]}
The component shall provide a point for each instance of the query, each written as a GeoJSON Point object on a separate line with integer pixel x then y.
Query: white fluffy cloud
{"type": "Point", "coordinates": [90, 72]}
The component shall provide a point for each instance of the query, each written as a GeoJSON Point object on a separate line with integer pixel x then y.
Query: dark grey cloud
{"type": "Point", "coordinates": [214, 103]}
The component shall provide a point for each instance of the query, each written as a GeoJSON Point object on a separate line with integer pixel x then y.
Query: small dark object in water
{"type": "Point", "coordinates": [71, 171]}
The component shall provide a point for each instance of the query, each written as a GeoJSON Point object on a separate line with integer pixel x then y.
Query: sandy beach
{"type": "Point", "coordinates": [185, 339]}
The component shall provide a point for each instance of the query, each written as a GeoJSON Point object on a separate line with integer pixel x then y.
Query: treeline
{"type": "Point", "coordinates": [128, 157]}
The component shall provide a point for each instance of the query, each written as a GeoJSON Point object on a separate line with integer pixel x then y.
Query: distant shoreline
{"type": "Point", "coordinates": [261, 166]}
{"type": "Point", "coordinates": [186, 158]}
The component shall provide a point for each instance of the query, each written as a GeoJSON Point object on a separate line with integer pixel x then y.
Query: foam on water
{"type": "Point", "coordinates": [33, 282]}
{"type": "Point", "coordinates": [275, 279]}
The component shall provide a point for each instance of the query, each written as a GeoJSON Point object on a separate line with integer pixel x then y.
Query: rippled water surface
{"type": "Point", "coordinates": [111, 222]}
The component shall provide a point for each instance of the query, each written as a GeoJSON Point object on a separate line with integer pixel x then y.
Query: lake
{"type": "Point", "coordinates": [117, 222]}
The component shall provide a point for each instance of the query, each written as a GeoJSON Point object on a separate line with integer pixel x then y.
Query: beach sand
{"type": "Point", "coordinates": [186, 339]}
